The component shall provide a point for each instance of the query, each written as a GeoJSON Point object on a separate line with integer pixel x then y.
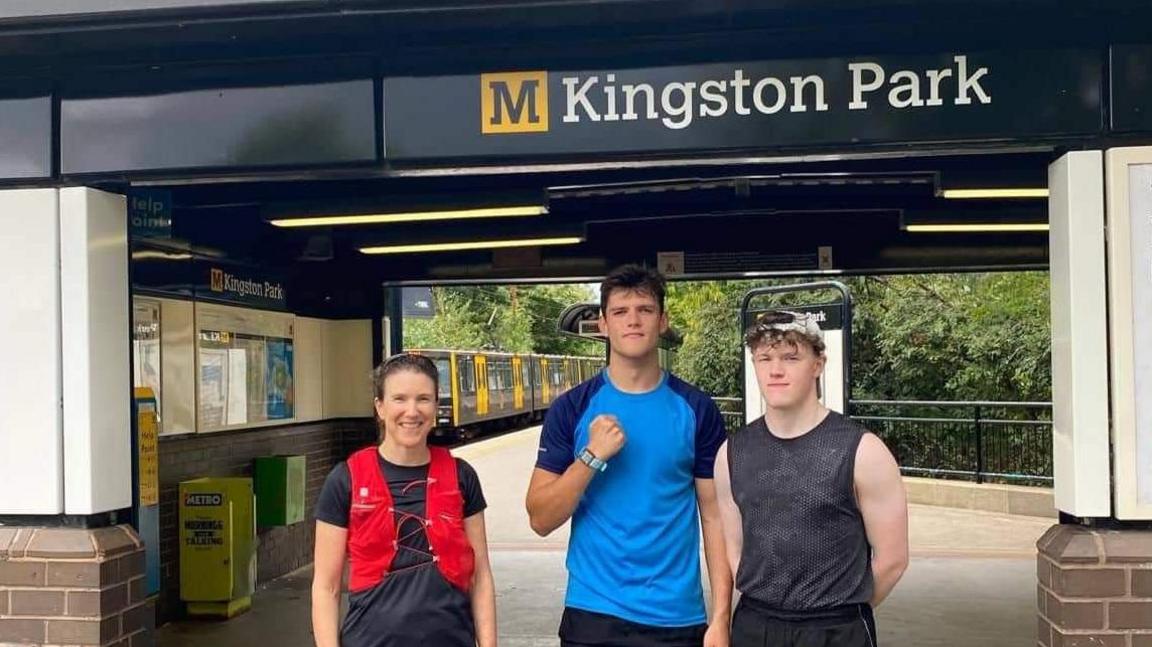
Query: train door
{"type": "Point", "coordinates": [481, 385]}
{"type": "Point", "coordinates": [517, 382]}
{"type": "Point", "coordinates": [537, 382]}
{"type": "Point", "coordinates": [545, 382]}
{"type": "Point", "coordinates": [498, 389]}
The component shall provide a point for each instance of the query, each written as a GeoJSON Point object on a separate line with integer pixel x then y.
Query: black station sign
{"type": "Point", "coordinates": [1131, 87]}
{"type": "Point", "coordinates": [751, 105]}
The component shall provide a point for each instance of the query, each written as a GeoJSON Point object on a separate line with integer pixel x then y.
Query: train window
{"type": "Point", "coordinates": [467, 380]}
{"type": "Point", "coordinates": [495, 377]}
{"type": "Point", "coordinates": [444, 368]}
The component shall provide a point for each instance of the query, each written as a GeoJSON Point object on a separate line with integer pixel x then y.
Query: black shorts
{"type": "Point", "coordinates": [756, 625]}
{"type": "Point", "coordinates": [579, 628]}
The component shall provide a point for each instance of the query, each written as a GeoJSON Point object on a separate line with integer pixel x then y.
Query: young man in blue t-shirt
{"type": "Point", "coordinates": [628, 456]}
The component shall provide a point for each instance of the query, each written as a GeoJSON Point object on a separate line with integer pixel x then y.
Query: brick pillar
{"type": "Point", "coordinates": [1095, 587]}
{"type": "Point", "coordinates": [69, 586]}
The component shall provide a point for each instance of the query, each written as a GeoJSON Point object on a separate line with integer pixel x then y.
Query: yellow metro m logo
{"type": "Point", "coordinates": [217, 280]}
{"type": "Point", "coordinates": [514, 102]}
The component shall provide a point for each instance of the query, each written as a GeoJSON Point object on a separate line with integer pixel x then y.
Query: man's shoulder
{"type": "Point", "coordinates": [694, 395]}
{"type": "Point", "coordinates": [582, 392]}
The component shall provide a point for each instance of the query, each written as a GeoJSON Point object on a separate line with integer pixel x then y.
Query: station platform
{"type": "Point", "coordinates": [972, 578]}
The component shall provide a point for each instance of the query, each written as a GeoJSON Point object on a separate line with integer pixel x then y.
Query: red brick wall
{"type": "Point", "coordinates": [1095, 587]}
{"type": "Point", "coordinates": [74, 587]}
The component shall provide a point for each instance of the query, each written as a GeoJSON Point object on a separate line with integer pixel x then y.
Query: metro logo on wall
{"type": "Point", "coordinates": [514, 103]}
{"type": "Point", "coordinates": [751, 105]}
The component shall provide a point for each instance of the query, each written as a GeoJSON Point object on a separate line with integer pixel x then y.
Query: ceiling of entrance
{"type": "Point", "coordinates": [726, 217]}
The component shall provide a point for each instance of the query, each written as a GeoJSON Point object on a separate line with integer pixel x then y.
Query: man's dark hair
{"type": "Point", "coordinates": [632, 277]}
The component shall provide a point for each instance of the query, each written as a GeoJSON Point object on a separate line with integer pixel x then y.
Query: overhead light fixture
{"type": "Point", "coordinates": [473, 244]}
{"type": "Point", "coordinates": [154, 254]}
{"type": "Point", "coordinates": [411, 216]}
{"type": "Point", "coordinates": [993, 194]}
{"type": "Point", "coordinates": [987, 227]}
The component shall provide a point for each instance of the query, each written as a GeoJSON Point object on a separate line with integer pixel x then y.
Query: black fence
{"type": "Point", "coordinates": [732, 411]}
{"type": "Point", "coordinates": [985, 442]}
{"type": "Point", "coordinates": [997, 442]}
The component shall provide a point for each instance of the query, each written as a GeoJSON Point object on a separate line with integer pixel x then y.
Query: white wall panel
{"type": "Point", "coordinates": [1079, 335]}
{"type": "Point", "coordinates": [95, 327]}
{"type": "Point", "coordinates": [348, 369]}
{"type": "Point", "coordinates": [177, 367]}
{"type": "Point", "coordinates": [1130, 316]}
{"type": "Point", "coordinates": [309, 347]}
{"type": "Point", "coordinates": [31, 442]}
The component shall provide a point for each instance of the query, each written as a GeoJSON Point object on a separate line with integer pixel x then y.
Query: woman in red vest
{"type": "Point", "coordinates": [409, 520]}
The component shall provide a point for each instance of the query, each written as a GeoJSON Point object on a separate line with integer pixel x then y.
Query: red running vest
{"type": "Point", "coordinates": [372, 537]}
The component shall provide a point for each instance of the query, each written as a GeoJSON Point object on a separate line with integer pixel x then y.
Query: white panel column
{"type": "Point", "coordinates": [31, 445]}
{"type": "Point", "coordinates": [95, 312]}
{"type": "Point", "coordinates": [1130, 316]}
{"type": "Point", "coordinates": [1079, 335]}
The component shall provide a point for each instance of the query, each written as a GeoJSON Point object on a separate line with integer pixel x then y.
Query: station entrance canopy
{"type": "Point", "coordinates": [784, 159]}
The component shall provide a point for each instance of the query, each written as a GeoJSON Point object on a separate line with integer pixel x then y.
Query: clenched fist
{"type": "Point", "coordinates": [605, 437]}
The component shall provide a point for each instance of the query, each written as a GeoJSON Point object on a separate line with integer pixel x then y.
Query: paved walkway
{"type": "Point", "coordinates": [971, 582]}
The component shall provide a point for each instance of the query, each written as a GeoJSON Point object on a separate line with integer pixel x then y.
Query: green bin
{"type": "Point", "coordinates": [279, 490]}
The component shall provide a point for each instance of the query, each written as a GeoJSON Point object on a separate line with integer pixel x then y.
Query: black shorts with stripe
{"type": "Point", "coordinates": [757, 625]}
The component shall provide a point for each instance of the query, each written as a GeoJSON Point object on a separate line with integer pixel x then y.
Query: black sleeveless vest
{"type": "Point", "coordinates": [805, 547]}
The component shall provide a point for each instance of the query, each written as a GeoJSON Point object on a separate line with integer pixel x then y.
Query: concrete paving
{"type": "Point", "coordinates": [971, 582]}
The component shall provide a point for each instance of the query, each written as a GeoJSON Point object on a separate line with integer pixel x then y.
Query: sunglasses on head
{"type": "Point", "coordinates": [784, 320]}
{"type": "Point", "coordinates": [407, 358]}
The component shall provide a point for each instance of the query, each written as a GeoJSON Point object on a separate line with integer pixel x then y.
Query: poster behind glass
{"type": "Point", "coordinates": [146, 346]}
{"type": "Point", "coordinates": [246, 367]}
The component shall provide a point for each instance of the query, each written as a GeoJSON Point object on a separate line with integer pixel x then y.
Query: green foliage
{"type": "Point", "coordinates": [500, 318]}
{"type": "Point", "coordinates": [953, 337]}
{"type": "Point", "coordinates": [707, 315]}
{"type": "Point", "coordinates": [916, 337]}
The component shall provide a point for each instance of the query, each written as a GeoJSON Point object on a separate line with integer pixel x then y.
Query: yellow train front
{"type": "Point", "coordinates": [483, 391]}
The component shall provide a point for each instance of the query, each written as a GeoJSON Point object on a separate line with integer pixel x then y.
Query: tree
{"type": "Point", "coordinates": [500, 318]}
{"type": "Point", "coordinates": [915, 337]}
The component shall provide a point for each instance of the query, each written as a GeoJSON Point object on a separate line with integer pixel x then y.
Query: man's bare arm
{"type": "Point", "coordinates": [729, 513]}
{"type": "Point", "coordinates": [552, 498]}
{"type": "Point", "coordinates": [719, 571]}
{"type": "Point", "coordinates": [884, 506]}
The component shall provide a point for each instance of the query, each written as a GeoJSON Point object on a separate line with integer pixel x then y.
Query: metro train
{"type": "Point", "coordinates": [482, 391]}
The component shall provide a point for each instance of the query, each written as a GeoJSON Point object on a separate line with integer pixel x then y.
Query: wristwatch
{"type": "Point", "coordinates": [589, 459]}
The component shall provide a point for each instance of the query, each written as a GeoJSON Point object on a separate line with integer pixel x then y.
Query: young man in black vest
{"type": "Point", "coordinates": [814, 511]}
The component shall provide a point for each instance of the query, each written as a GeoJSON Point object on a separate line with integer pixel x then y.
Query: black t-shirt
{"type": "Point", "coordinates": [414, 605]}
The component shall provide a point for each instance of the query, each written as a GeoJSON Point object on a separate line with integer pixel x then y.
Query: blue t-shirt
{"type": "Point", "coordinates": [634, 552]}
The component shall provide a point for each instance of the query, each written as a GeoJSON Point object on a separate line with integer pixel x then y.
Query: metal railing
{"type": "Point", "coordinates": [1005, 442]}
{"type": "Point", "coordinates": [985, 442]}
{"type": "Point", "coordinates": [732, 411]}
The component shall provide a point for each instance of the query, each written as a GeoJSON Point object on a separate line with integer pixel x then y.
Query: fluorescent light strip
{"type": "Point", "coordinates": [415, 216]}
{"type": "Point", "coordinates": [476, 244]}
{"type": "Point", "coordinates": [975, 228]}
{"type": "Point", "coordinates": [970, 194]}
{"type": "Point", "coordinates": [167, 256]}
